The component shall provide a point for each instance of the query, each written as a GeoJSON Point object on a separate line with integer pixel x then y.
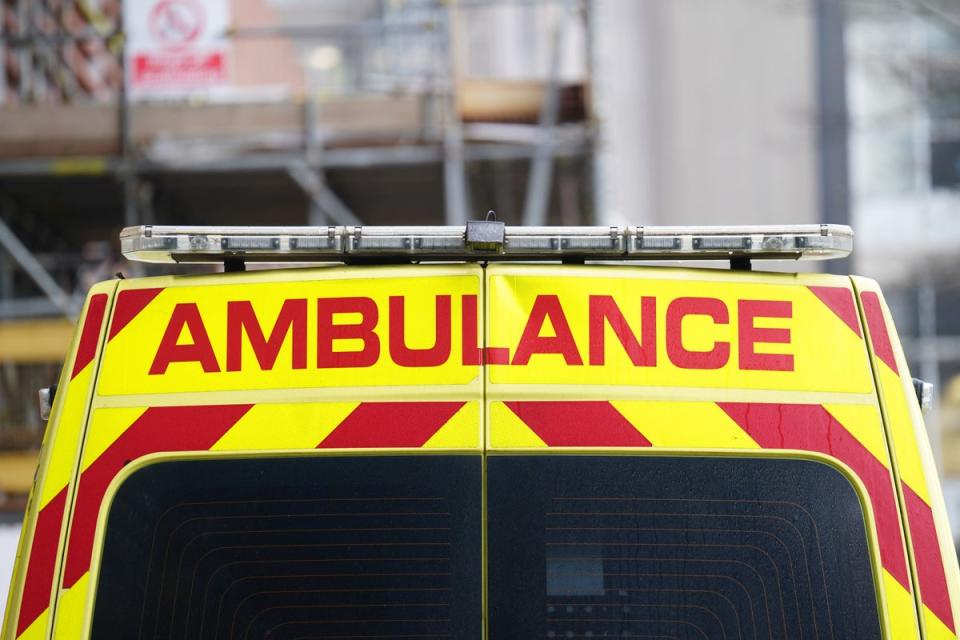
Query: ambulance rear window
{"type": "Point", "coordinates": [294, 548]}
{"type": "Point", "coordinates": [680, 547]}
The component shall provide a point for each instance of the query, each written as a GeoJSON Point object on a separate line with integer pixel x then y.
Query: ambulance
{"type": "Point", "coordinates": [485, 432]}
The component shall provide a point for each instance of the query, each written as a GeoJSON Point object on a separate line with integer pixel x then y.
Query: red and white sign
{"type": "Point", "coordinates": [176, 46]}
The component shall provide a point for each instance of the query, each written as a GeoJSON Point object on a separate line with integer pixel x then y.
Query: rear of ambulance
{"type": "Point", "coordinates": [502, 451]}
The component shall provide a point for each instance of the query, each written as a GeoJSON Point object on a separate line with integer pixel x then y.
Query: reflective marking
{"type": "Point", "coordinates": [926, 553]}
{"type": "Point", "coordinates": [812, 428]}
{"type": "Point", "coordinates": [840, 301]}
{"type": "Point", "coordinates": [579, 424]}
{"type": "Point", "coordinates": [879, 337]}
{"type": "Point", "coordinates": [158, 429]}
{"type": "Point", "coordinates": [129, 303]}
{"type": "Point", "coordinates": [43, 559]}
{"type": "Point", "coordinates": [90, 336]}
{"type": "Point", "coordinates": [390, 424]}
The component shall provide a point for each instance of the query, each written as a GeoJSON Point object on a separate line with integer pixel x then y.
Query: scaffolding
{"type": "Point", "coordinates": [80, 157]}
{"type": "Point", "coordinates": [69, 113]}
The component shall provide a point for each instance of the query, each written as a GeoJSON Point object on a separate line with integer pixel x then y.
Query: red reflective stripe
{"type": "Point", "coordinates": [90, 335]}
{"type": "Point", "coordinates": [157, 429]}
{"type": "Point", "coordinates": [129, 303]}
{"type": "Point", "coordinates": [578, 424]}
{"type": "Point", "coordinates": [926, 554]}
{"type": "Point", "coordinates": [840, 301]}
{"type": "Point", "coordinates": [43, 558]}
{"type": "Point", "coordinates": [390, 424]}
{"type": "Point", "coordinates": [811, 428]}
{"type": "Point", "coordinates": [879, 337]}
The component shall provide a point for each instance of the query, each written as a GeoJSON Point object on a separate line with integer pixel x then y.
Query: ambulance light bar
{"type": "Point", "coordinates": [482, 240]}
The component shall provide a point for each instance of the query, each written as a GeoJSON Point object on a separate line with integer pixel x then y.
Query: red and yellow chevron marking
{"type": "Point", "coordinates": [932, 555]}
{"type": "Point", "coordinates": [44, 522]}
{"type": "Point", "coordinates": [117, 436]}
{"type": "Point", "coordinates": [852, 434]}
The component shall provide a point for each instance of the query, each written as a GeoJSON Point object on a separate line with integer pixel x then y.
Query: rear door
{"type": "Point", "coordinates": [653, 411]}
{"type": "Point", "coordinates": [930, 544]}
{"type": "Point", "coordinates": [225, 483]}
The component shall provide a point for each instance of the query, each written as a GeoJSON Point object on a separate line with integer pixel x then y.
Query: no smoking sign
{"type": "Point", "coordinates": [176, 23]}
{"type": "Point", "coordinates": [177, 46]}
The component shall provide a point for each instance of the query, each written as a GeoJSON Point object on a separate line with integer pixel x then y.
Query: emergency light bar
{"type": "Point", "coordinates": [481, 241]}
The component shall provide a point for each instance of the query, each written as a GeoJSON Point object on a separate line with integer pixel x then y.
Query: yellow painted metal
{"type": "Point", "coordinates": [131, 354]}
{"type": "Point", "coordinates": [295, 407]}
{"type": "Point", "coordinates": [826, 355]}
{"type": "Point", "coordinates": [913, 462]}
{"type": "Point", "coordinates": [57, 465]}
{"type": "Point", "coordinates": [685, 425]}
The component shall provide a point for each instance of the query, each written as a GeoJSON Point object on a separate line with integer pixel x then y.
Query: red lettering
{"type": "Point", "coordinates": [531, 342]}
{"type": "Point", "coordinates": [469, 340]}
{"type": "Point", "coordinates": [200, 350]}
{"type": "Point", "coordinates": [327, 332]}
{"type": "Point", "coordinates": [242, 319]}
{"type": "Point", "coordinates": [679, 355]}
{"type": "Point", "coordinates": [430, 357]}
{"type": "Point", "coordinates": [749, 334]}
{"type": "Point", "coordinates": [473, 355]}
{"type": "Point", "coordinates": [603, 309]}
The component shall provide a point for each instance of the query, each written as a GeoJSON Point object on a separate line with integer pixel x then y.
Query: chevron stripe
{"type": "Point", "coordinates": [129, 303]}
{"type": "Point", "coordinates": [90, 334]}
{"type": "Point", "coordinates": [579, 424]}
{"type": "Point", "coordinates": [812, 428]}
{"type": "Point", "coordinates": [390, 424]}
{"type": "Point", "coordinates": [927, 556]}
{"type": "Point", "coordinates": [43, 559]}
{"type": "Point", "coordinates": [158, 429]}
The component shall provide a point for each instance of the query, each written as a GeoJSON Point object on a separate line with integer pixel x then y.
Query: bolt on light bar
{"type": "Point", "coordinates": [481, 241]}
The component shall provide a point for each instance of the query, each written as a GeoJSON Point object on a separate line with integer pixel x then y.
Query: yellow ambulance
{"type": "Point", "coordinates": [485, 432]}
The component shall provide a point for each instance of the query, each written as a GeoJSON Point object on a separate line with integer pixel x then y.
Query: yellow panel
{"type": "Point", "coordinates": [507, 431]}
{"type": "Point", "coordinates": [685, 425]}
{"type": "Point", "coordinates": [71, 607]}
{"type": "Point", "coordinates": [936, 630]}
{"type": "Point", "coordinates": [827, 355]}
{"type": "Point", "coordinates": [64, 438]}
{"type": "Point", "coordinates": [106, 425]}
{"type": "Point", "coordinates": [58, 460]}
{"type": "Point", "coordinates": [201, 305]}
{"type": "Point", "coordinates": [462, 431]}
{"type": "Point", "coordinates": [37, 630]}
{"type": "Point", "coordinates": [901, 609]}
{"type": "Point", "coordinates": [909, 463]}
{"type": "Point", "coordinates": [284, 426]}
{"type": "Point", "coordinates": [864, 423]}
{"type": "Point", "coordinates": [37, 340]}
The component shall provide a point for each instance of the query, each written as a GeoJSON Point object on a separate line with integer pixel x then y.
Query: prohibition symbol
{"type": "Point", "coordinates": [176, 23]}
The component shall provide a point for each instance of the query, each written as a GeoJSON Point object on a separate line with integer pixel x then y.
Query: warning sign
{"type": "Point", "coordinates": [176, 46]}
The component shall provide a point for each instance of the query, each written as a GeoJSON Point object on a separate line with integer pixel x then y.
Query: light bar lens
{"type": "Point", "coordinates": [346, 244]}
{"type": "Point", "coordinates": [413, 241]}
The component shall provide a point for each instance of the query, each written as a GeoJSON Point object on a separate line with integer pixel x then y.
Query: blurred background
{"type": "Point", "coordinates": [295, 112]}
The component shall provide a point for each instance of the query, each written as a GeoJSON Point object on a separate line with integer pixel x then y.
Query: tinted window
{"type": "Point", "coordinates": [295, 548]}
{"type": "Point", "coordinates": [656, 547]}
